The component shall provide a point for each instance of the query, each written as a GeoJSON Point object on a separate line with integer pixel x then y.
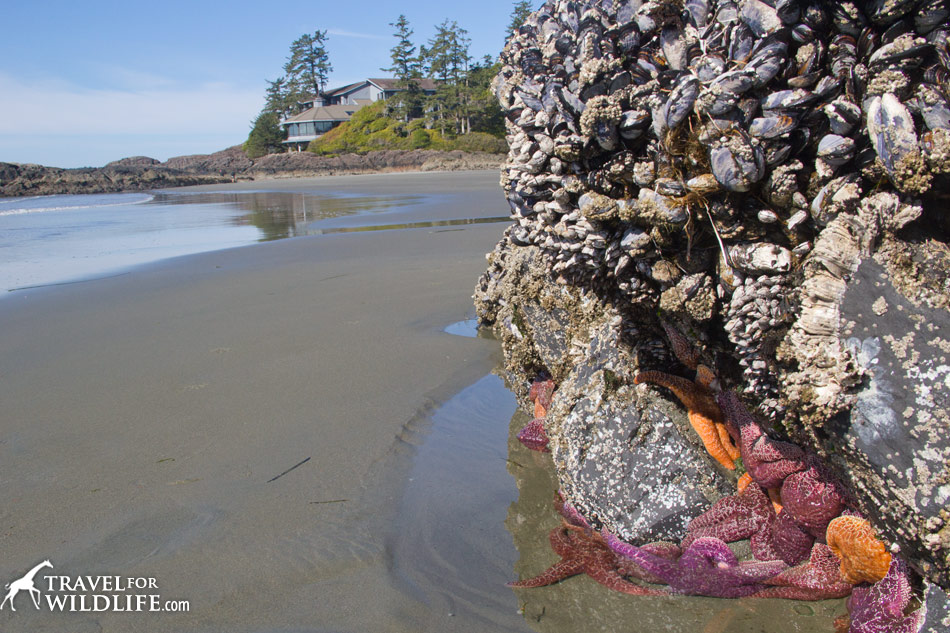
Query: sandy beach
{"type": "Point", "coordinates": [241, 425]}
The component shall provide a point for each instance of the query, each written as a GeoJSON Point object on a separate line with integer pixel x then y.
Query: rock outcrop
{"type": "Point", "coordinates": [142, 173]}
{"type": "Point", "coordinates": [752, 175]}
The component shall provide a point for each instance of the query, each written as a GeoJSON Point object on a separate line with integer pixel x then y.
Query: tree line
{"type": "Point", "coordinates": [461, 104]}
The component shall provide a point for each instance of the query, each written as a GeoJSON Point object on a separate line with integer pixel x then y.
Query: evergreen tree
{"type": "Point", "coordinates": [519, 13]}
{"type": "Point", "coordinates": [279, 98]}
{"type": "Point", "coordinates": [266, 136]}
{"type": "Point", "coordinates": [447, 60]}
{"type": "Point", "coordinates": [486, 115]}
{"type": "Point", "coordinates": [308, 66]}
{"type": "Point", "coordinates": [407, 68]}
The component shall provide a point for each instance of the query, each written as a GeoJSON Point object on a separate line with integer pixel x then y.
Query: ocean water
{"type": "Point", "coordinates": [48, 240]}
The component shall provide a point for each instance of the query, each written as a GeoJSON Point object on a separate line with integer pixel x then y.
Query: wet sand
{"type": "Point", "coordinates": [152, 422]}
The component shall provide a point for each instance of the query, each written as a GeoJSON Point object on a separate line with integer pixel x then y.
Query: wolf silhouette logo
{"type": "Point", "coordinates": [26, 582]}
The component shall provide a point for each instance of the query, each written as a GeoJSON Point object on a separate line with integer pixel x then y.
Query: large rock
{"type": "Point", "coordinates": [625, 456]}
{"type": "Point", "coordinates": [671, 161]}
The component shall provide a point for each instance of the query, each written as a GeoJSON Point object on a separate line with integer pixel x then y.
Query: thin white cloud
{"type": "Point", "coordinates": [58, 107]}
{"type": "Point", "coordinates": [125, 78]}
{"type": "Point", "coordinates": [365, 36]}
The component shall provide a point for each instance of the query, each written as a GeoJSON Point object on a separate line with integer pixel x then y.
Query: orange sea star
{"type": "Point", "coordinates": [863, 557]}
{"type": "Point", "coordinates": [702, 410]}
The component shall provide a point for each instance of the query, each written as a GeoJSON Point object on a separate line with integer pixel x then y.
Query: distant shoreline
{"type": "Point", "coordinates": [141, 173]}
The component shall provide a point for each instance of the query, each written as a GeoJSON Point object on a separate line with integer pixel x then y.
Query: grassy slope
{"type": "Point", "coordinates": [370, 129]}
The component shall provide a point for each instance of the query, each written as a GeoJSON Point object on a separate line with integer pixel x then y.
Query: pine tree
{"type": "Point", "coordinates": [308, 67]}
{"type": "Point", "coordinates": [519, 13]}
{"type": "Point", "coordinates": [406, 65]}
{"type": "Point", "coordinates": [407, 68]}
{"type": "Point", "coordinates": [278, 98]}
{"type": "Point", "coordinates": [447, 60]}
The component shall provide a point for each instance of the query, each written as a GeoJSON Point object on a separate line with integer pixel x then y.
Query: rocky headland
{"type": "Point", "coordinates": [743, 201]}
{"type": "Point", "coordinates": [143, 173]}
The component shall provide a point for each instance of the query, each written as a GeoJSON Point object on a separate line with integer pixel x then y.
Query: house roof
{"type": "Point", "coordinates": [325, 113]}
{"type": "Point", "coordinates": [343, 89]}
{"type": "Point", "coordinates": [388, 83]}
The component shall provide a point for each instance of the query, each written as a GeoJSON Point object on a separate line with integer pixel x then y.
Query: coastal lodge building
{"type": "Point", "coordinates": [333, 107]}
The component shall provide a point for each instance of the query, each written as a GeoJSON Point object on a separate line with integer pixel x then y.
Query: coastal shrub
{"type": "Point", "coordinates": [333, 142]}
{"type": "Point", "coordinates": [370, 129]}
{"type": "Point", "coordinates": [378, 125]}
{"type": "Point", "coordinates": [481, 142]}
{"type": "Point", "coordinates": [419, 139]}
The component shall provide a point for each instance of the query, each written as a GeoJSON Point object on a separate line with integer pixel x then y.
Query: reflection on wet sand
{"type": "Point", "coordinates": [282, 214]}
{"type": "Point", "coordinates": [580, 603]}
{"type": "Point", "coordinates": [279, 214]}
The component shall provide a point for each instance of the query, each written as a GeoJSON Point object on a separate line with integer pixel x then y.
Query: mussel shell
{"type": "Point", "coordinates": [772, 126]}
{"type": "Point", "coordinates": [891, 130]}
{"type": "Point", "coordinates": [737, 170]}
{"type": "Point", "coordinates": [680, 103]}
{"type": "Point", "coordinates": [934, 107]}
{"type": "Point", "coordinates": [796, 99]}
{"type": "Point", "coordinates": [835, 150]}
{"type": "Point", "coordinates": [760, 17]}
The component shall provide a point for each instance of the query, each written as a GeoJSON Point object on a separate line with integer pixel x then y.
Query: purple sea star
{"type": "Point", "coordinates": [812, 497]}
{"type": "Point", "coordinates": [569, 512]}
{"type": "Point", "coordinates": [706, 568]}
{"type": "Point", "coordinates": [534, 436]}
{"type": "Point", "coordinates": [790, 540]}
{"type": "Point", "coordinates": [880, 608]}
{"type": "Point", "coordinates": [584, 551]}
{"type": "Point", "coordinates": [662, 549]}
{"type": "Point", "coordinates": [817, 579]}
{"type": "Point", "coordinates": [747, 515]}
{"type": "Point", "coordinates": [625, 566]}
{"type": "Point", "coordinates": [768, 461]}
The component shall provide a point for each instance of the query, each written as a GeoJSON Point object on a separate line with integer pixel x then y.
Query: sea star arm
{"type": "Point", "coordinates": [612, 579]}
{"type": "Point", "coordinates": [569, 512]}
{"type": "Point", "coordinates": [708, 567]}
{"type": "Point", "coordinates": [541, 394]}
{"type": "Point", "coordinates": [702, 411]}
{"type": "Point", "coordinates": [747, 514]}
{"type": "Point", "coordinates": [663, 549]}
{"type": "Point", "coordinates": [816, 579]}
{"type": "Point", "coordinates": [881, 607]}
{"type": "Point", "coordinates": [660, 567]}
{"type": "Point", "coordinates": [726, 440]}
{"type": "Point", "coordinates": [555, 573]}
{"type": "Point", "coordinates": [744, 481]}
{"type": "Point", "coordinates": [685, 351]}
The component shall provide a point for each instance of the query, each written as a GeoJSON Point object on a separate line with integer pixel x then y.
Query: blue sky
{"type": "Point", "coordinates": [85, 83]}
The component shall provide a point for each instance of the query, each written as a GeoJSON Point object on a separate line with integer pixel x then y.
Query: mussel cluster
{"type": "Point", "coordinates": [686, 155]}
